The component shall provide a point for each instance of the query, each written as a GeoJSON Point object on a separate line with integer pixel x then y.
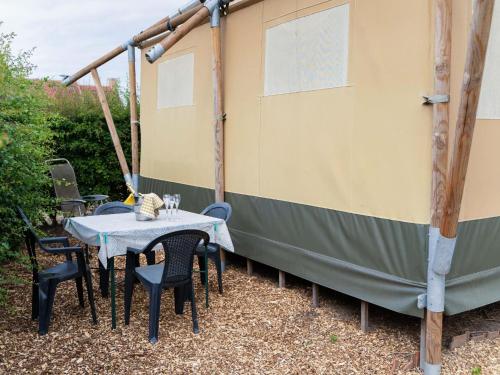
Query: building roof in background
{"type": "Point", "coordinates": [53, 87]}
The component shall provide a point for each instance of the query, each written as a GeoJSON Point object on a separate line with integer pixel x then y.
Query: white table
{"type": "Point", "coordinates": [114, 233]}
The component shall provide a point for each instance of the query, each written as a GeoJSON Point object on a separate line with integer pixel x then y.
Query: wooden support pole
{"type": "Point", "coordinates": [364, 316]}
{"type": "Point", "coordinates": [440, 125]}
{"type": "Point", "coordinates": [175, 23]}
{"type": "Point", "coordinates": [159, 27]}
{"type": "Point", "coordinates": [422, 343]}
{"type": "Point", "coordinates": [218, 87]}
{"type": "Point", "coordinates": [238, 5]}
{"type": "Point", "coordinates": [233, 7]}
{"type": "Point", "coordinates": [315, 295]}
{"type": "Point", "coordinates": [281, 279]}
{"type": "Point", "coordinates": [466, 119]}
{"type": "Point", "coordinates": [441, 117]}
{"type": "Point", "coordinates": [180, 32]}
{"type": "Point", "coordinates": [249, 267]}
{"type": "Point", "coordinates": [151, 42]}
{"type": "Point", "coordinates": [144, 38]}
{"type": "Point", "coordinates": [111, 125]}
{"type": "Point", "coordinates": [433, 337]}
{"type": "Point", "coordinates": [134, 121]}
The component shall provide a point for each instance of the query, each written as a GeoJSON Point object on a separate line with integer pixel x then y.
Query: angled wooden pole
{"type": "Point", "coordinates": [164, 25]}
{"type": "Point", "coordinates": [440, 126]}
{"type": "Point", "coordinates": [111, 126]}
{"type": "Point", "coordinates": [174, 23]}
{"type": "Point", "coordinates": [180, 32]}
{"type": "Point", "coordinates": [466, 120]}
{"type": "Point", "coordinates": [134, 122]}
{"type": "Point", "coordinates": [233, 7]}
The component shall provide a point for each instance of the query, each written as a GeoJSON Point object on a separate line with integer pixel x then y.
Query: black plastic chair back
{"type": "Point", "coordinates": [113, 208]}
{"type": "Point", "coordinates": [220, 210]}
{"type": "Point", "coordinates": [179, 248]}
{"type": "Point", "coordinates": [31, 239]}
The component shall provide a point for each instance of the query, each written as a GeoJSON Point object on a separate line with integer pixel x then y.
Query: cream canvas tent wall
{"type": "Point", "coordinates": [328, 150]}
{"type": "Point", "coordinates": [336, 170]}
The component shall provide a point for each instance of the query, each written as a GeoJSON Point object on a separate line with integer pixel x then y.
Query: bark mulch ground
{"type": "Point", "coordinates": [253, 328]}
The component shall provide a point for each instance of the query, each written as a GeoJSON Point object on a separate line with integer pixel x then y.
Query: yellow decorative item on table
{"type": "Point", "coordinates": [131, 199]}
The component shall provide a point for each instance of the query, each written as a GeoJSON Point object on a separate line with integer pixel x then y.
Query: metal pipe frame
{"type": "Point", "coordinates": [159, 49]}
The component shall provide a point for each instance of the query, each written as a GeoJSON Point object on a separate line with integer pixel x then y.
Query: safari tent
{"type": "Point", "coordinates": [325, 124]}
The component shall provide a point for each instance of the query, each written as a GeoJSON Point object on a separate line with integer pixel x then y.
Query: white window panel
{"type": "Point", "coordinates": [309, 53]}
{"type": "Point", "coordinates": [175, 82]}
{"type": "Point", "coordinates": [489, 101]}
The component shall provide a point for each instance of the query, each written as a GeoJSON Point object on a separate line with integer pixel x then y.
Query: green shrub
{"type": "Point", "coordinates": [25, 144]}
{"type": "Point", "coordinates": [82, 136]}
{"type": "Point", "coordinates": [35, 128]}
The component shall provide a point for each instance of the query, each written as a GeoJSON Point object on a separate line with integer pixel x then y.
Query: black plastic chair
{"type": "Point", "coordinates": [45, 282]}
{"type": "Point", "coordinates": [176, 272]}
{"type": "Point", "coordinates": [109, 208]}
{"type": "Point", "coordinates": [223, 211]}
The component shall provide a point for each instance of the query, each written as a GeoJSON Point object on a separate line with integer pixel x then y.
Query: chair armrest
{"type": "Point", "coordinates": [55, 240]}
{"type": "Point", "coordinates": [211, 247]}
{"type": "Point", "coordinates": [95, 197]}
{"type": "Point", "coordinates": [81, 201]}
{"type": "Point", "coordinates": [63, 250]}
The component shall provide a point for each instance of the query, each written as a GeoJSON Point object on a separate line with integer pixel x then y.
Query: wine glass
{"type": "Point", "coordinates": [166, 200]}
{"type": "Point", "coordinates": [171, 204]}
{"type": "Point", "coordinates": [177, 202]}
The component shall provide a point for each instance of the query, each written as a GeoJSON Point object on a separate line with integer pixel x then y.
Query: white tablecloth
{"type": "Point", "coordinates": [114, 233]}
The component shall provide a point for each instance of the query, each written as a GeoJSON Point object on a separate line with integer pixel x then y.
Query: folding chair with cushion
{"type": "Point", "coordinates": [176, 272]}
{"type": "Point", "coordinates": [66, 188]}
{"type": "Point", "coordinates": [45, 282]}
{"type": "Point", "coordinates": [223, 211]}
{"type": "Point", "coordinates": [109, 209]}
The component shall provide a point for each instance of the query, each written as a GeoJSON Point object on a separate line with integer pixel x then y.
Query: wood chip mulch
{"type": "Point", "coordinates": [253, 328]}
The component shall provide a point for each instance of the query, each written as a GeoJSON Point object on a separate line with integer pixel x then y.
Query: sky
{"type": "Point", "coordinates": [69, 34]}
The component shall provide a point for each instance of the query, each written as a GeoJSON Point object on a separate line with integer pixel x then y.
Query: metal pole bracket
{"type": "Point", "coordinates": [422, 301]}
{"type": "Point", "coordinates": [224, 8]}
{"type": "Point", "coordinates": [435, 99]}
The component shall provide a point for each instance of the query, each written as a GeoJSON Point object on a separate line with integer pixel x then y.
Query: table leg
{"type": "Point", "coordinates": [111, 264]}
{"type": "Point", "coordinates": [206, 278]}
{"type": "Point", "coordinates": [222, 259]}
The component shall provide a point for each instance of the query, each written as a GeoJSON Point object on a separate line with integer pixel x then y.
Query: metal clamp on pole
{"type": "Point", "coordinates": [215, 16]}
{"type": "Point", "coordinates": [211, 5]}
{"type": "Point", "coordinates": [131, 53]}
{"type": "Point", "coordinates": [221, 117]}
{"type": "Point", "coordinates": [129, 42]}
{"type": "Point", "coordinates": [435, 99]}
{"type": "Point", "coordinates": [422, 301]}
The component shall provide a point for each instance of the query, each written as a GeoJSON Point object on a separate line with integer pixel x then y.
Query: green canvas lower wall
{"type": "Point", "coordinates": [377, 260]}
